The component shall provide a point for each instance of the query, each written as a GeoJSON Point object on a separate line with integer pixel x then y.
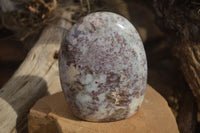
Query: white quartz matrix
{"type": "Point", "coordinates": [103, 68]}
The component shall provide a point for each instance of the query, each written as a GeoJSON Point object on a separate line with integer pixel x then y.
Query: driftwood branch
{"type": "Point", "coordinates": [38, 74]}
{"type": "Point", "coordinates": [33, 79]}
{"type": "Point", "coordinates": [181, 21]}
{"type": "Point", "coordinates": [188, 54]}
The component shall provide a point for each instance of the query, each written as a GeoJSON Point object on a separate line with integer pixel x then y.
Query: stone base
{"type": "Point", "coordinates": [52, 115]}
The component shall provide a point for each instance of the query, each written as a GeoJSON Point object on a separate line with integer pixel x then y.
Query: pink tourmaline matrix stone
{"type": "Point", "coordinates": [103, 68]}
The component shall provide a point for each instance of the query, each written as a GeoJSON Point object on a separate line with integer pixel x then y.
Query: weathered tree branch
{"type": "Point", "coordinates": [180, 19]}
{"type": "Point", "coordinates": [38, 74]}
{"type": "Point", "coordinates": [34, 78]}
{"type": "Point", "coordinates": [188, 54]}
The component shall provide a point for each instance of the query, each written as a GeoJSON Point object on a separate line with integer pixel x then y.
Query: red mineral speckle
{"type": "Point", "coordinates": [103, 68]}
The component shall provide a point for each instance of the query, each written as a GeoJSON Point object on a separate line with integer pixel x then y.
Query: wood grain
{"type": "Point", "coordinates": [34, 79]}
{"type": "Point", "coordinates": [188, 54]}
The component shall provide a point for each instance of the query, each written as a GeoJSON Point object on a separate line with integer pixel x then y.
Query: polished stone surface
{"type": "Point", "coordinates": [103, 68]}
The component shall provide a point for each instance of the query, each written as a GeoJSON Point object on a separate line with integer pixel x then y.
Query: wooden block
{"type": "Point", "coordinates": [52, 115]}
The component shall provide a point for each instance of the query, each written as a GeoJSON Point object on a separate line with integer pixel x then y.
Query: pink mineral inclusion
{"type": "Point", "coordinates": [103, 68]}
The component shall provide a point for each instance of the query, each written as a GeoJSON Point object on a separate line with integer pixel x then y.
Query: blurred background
{"type": "Point", "coordinates": [164, 73]}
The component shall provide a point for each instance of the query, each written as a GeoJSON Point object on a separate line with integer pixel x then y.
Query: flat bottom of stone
{"type": "Point", "coordinates": [102, 121]}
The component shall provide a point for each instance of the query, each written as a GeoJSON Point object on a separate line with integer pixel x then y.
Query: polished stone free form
{"type": "Point", "coordinates": [103, 68]}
